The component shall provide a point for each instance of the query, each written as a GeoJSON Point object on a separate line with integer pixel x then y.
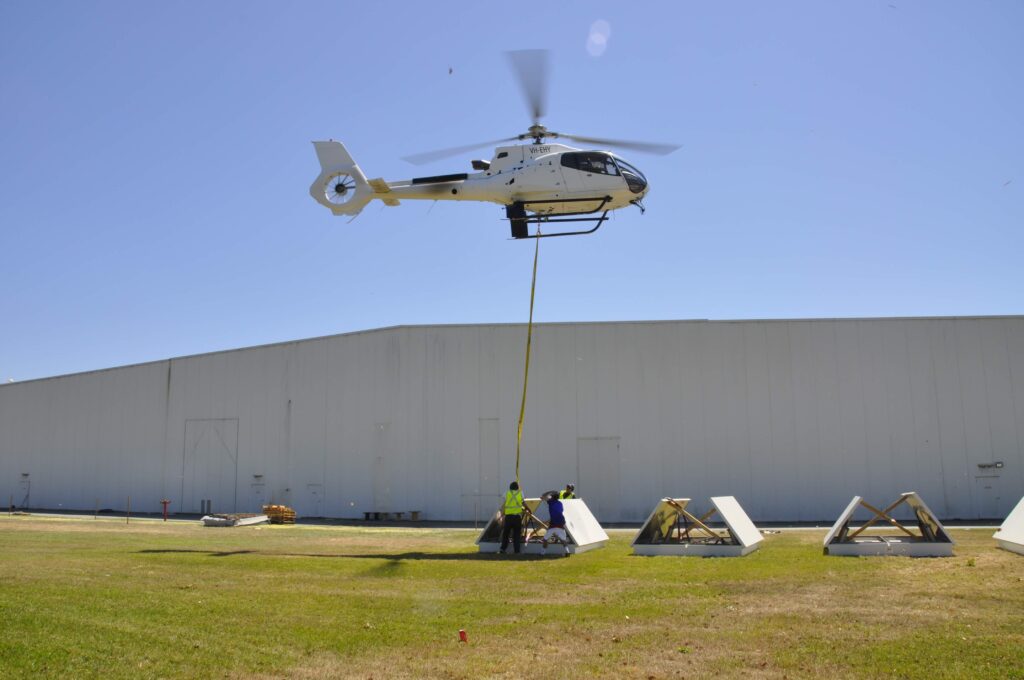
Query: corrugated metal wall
{"type": "Point", "coordinates": [792, 417]}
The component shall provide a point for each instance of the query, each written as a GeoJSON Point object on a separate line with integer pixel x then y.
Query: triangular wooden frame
{"type": "Point", "coordinates": [671, 529]}
{"type": "Point", "coordinates": [581, 527]}
{"type": "Point", "coordinates": [929, 540]}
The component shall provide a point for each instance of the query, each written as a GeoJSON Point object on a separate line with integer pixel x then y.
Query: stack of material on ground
{"type": "Point", "coordinates": [234, 520]}
{"type": "Point", "coordinates": [279, 514]}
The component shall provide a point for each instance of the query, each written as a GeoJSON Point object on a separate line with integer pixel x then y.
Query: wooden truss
{"type": "Point", "coordinates": [671, 529]}
{"type": "Point", "coordinates": [687, 524]}
{"type": "Point", "coordinates": [927, 538]}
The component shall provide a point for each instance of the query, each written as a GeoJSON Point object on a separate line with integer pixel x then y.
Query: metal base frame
{"type": "Point", "coordinates": [516, 214]}
{"type": "Point", "coordinates": [693, 550]}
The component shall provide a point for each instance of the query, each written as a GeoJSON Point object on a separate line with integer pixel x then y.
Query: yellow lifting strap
{"type": "Point", "coordinates": [526, 371]}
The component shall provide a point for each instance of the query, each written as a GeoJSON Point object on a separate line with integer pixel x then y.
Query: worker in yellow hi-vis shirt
{"type": "Point", "coordinates": [512, 518]}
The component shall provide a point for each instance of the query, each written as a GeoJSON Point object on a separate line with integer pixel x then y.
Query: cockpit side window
{"type": "Point", "coordinates": [590, 161]}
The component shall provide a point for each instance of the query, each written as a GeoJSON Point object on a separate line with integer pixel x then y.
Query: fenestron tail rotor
{"type": "Point", "coordinates": [340, 188]}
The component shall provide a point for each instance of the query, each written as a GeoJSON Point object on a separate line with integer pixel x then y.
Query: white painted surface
{"type": "Point", "coordinates": [581, 525]}
{"type": "Point", "coordinates": [530, 172]}
{"type": "Point", "coordinates": [787, 415]}
{"type": "Point", "coordinates": [737, 520]}
{"type": "Point", "coordinates": [1011, 534]}
{"type": "Point", "coordinates": [844, 520]}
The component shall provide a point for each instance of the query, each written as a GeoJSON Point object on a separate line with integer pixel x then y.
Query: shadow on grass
{"type": "Point", "coordinates": [397, 557]}
{"type": "Point", "coordinates": [211, 553]}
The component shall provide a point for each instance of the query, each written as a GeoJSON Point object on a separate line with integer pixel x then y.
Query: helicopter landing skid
{"type": "Point", "coordinates": [516, 214]}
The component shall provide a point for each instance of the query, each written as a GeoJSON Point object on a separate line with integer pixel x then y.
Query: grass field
{"type": "Point", "coordinates": [97, 598]}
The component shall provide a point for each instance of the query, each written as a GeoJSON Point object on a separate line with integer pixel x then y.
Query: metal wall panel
{"type": "Point", "coordinates": [791, 417]}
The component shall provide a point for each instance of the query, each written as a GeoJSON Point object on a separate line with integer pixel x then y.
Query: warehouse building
{"type": "Point", "coordinates": [793, 417]}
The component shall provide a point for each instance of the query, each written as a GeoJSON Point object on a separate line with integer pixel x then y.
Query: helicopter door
{"type": "Point", "coordinates": [590, 172]}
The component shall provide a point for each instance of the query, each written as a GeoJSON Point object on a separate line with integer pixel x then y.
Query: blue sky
{"type": "Point", "coordinates": [838, 159]}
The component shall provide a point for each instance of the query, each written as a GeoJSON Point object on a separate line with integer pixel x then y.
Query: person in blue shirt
{"type": "Point", "coordinates": [556, 525]}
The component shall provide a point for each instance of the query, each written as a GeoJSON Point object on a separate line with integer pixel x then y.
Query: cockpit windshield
{"type": "Point", "coordinates": [626, 167]}
{"type": "Point", "coordinates": [634, 178]}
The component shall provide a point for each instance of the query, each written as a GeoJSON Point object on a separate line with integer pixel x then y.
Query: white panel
{"type": "Point", "coordinates": [1011, 533]}
{"type": "Point", "coordinates": [739, 523]}
{"type": "Point", "coordinates": [581, 524]}
{"type": "Point", "coordinates": [843, 520]}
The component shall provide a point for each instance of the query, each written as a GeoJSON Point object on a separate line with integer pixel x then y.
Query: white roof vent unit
{"type": "Point", "coordinates": [1011, 535]}
{"type": "Point", "coordinates": [581, 528]}
{"type": "Point", "coordinates": [671, 529]}
{"type": "Point", "coordinates": [930, 539]}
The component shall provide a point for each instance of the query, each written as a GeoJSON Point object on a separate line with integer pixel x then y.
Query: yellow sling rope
{"type": "Point", "coordinates": [526, 371]}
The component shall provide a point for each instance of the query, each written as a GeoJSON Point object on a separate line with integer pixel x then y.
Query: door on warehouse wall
{"type": "Point", "coordinates": [598, 477]}
{"type": "Point", "coordinates": [382, 477]}
{"type": "Point", "coordinates": [482, 490]}
{"type": "Point", "coordinates": [210, 465]}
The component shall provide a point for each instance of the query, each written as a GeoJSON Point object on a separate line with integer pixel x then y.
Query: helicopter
{"type": "Point", "coordinates": [537, 182]}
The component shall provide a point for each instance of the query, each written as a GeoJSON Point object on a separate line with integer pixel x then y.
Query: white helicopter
{"type": "Point", "coordinates": [537, 182]}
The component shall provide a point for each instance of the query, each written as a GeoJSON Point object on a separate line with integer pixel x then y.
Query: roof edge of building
{"type": "Point", "coordinates": [401, 327]}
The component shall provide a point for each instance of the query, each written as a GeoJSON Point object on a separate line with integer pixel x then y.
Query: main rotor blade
{"type": "Point", "coordinates": [645, 147]}
{"type": "Point", "coordinates": [531, 67]}
{"type": "Point", "coordinates": [429, 156]}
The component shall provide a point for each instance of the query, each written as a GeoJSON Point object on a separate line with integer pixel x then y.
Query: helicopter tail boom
{"type": "Point", "coordinates": [341, 185]}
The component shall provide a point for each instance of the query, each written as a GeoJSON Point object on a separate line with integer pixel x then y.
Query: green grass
{"type": "Point", "coordinates": [97, 598]}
